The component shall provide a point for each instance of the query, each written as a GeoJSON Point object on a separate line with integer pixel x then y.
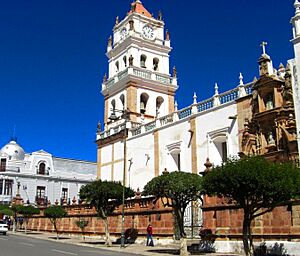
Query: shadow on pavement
{"type": "Point", "coordinates": [165, 251]}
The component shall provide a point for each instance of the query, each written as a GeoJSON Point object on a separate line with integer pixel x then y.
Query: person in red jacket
{"type": "Point", "coordinates": [149, 236]}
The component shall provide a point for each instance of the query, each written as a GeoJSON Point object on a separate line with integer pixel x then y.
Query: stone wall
{"type": "Point", "coordinates": [139, 212]}
{"type": "Point", "coordinates": [226, 221]}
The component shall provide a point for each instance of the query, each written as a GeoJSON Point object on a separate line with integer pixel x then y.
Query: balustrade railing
{"type": "Point", "coordinates": [141, 73]}
{"type": "Point", "coordinates": [183, 113]}
{"type": "Point", "coordinates": [228, 96]}
{"type": "Point", "coordinates": [204, 105]}
{"type": "Point", "coordinates": [166, 119]}
{"type": "Point", "coordinates": [150, 126]}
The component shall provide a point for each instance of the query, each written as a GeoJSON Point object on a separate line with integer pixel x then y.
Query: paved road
{"type": "Point", "coordinates": [12, 245]}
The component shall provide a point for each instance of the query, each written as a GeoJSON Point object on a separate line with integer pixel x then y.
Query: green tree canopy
{"type": "Point", "coordinates": [254, 184]}
{"type": "Point", "coordinates": [105, 196]}
{"type": "Point", "coordinates": [27, 212]}
{"type": "Point", "coordinates": [54, 213]}
{"type": "Point", "coordinates": [177, 190]}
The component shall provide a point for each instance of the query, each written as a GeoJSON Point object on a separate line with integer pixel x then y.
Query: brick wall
{"type": "Point", "coordinates": [139, 212]}
{"type": "Point", "coordinates": [226, 221]}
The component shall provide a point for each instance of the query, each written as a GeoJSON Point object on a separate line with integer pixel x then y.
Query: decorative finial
{"type": "Point", "coordinates": [216, 89]}
{"type": "Point", "coordinates": [104, 78]}
{"type": "Point", "coordinates": [117, 21]}
{"type": "Point", "coordinates": [241, 79]}
{"type": "Point", "coordinates": [263, 45]}
{"type": "Point", "coordinates": [174, 72]}
{"type": "Point", "coordinates": [297, 7]}
{"type": "Point", "coordinates": [195, 98]}
{"type": "Point", "coordinates": [167, 35]}
{"type": "Point", "coordinates": [254, 79]}
{"type": "Point", "coordinates": [98, 127]}
{"type": "Point", "coordinates": [176, 106]}
{"type": "Point", "coordinates": [109, 42]}
{"type": "Point", "coordinates": [130, 60]}
{"type": "Point", "coordinates": [165, 172]}
{"type": "Point", "coordinates": [159, 15]}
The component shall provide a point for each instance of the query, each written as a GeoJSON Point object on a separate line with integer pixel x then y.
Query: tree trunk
{"type": "Point", "coordinates": [183, 247]}
{"type": "Point", "coordinates": [246, 232]}
{"type": "Point", "coordinates": [179, 219]}
{"type": "Point", "coordinates": [108, 242]}
{"type": "Point", "coordinates": [25, 224]}
{"type": "Point", "coordinates": [55, 228]}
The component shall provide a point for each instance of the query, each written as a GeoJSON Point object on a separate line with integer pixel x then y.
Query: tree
{"type": "Point", "coordinates": [176, 190]}
{"type": "Point", "coordinates": [54, 213]}
{"type": "Point", "coordinates": [255, 185]}
{"type": "Point", "coordinates": [82, 223]}
{"type": "Point", "coordinates": [27, 212]}
{"type": "Point", "coordinates": [15, 209]}
{"type": "Point", "coordinates": [105, 196]}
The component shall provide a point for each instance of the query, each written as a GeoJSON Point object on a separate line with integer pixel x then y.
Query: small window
{"type": "Point", "coordinates": [122, 99]}
{"type": "Point", "coordinates": [224, 151]}
{"type": "Point", "coordinates": [42, 169]}
{"type": "Point", "coordinates": [143, 61]}
{"type": "Point", "coordinates": [1, 187]}
{"type": "Point", "coordinates": [8, 187]}
{"type": "Point", "coordinates": [40, 192]}
{"type": "Point", "coordinates": [64, 193]}
{"type": "Point", "coordinates": [3, 165]}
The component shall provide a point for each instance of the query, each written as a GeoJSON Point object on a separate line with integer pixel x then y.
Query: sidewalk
{"type": "Point", "coordinates": [138, 249]}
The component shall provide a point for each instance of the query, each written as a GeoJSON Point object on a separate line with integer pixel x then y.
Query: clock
{"type": "Point", "coordinates": [148, 32]}
{"type": "Point", "coordinates": [123, 33]}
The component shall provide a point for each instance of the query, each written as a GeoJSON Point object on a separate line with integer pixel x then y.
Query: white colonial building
{"type": "Point", "coordinates": [40, 177]}
{"type": "Point", "coordinates": [144, 132]}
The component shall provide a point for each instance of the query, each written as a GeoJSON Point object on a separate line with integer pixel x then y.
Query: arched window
{"type": "Point", "coordinates": [122, 99]}
{"type": "Point", "coordinates": [143, 102]}
{"type": "Point", "coordinates": [155, 64]}
{"type": "Point", "coordinates": [113, 105]}
{"type": "Point", "coordinates": [174, 151]}
{"type": "Point", "coordinates": [42, 169]}
{"type": "Point", "coordinates": [125, 61]}
{"type": "Point", "coordinates": [143, 61]}
{"type": "Point", "coordinates": [159, 102]}
{"type": "Point", "coordinates": [117, 66]}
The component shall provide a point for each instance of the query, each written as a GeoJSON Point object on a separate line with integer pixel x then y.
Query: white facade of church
{"type": "Point", "coordinates": [139, 96]}
{"type": "Point", "coordinates": [39, 177]}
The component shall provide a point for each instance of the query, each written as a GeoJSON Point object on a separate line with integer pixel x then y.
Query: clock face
{"type": "Point", "coordinates": [148, 32]}
{"type": "Point", "coordinates": [123, 33]}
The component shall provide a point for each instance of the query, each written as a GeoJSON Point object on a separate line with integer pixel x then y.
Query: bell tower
{"type": "Point", "coordinates": [295, 66]}
{"type": "Point", "coordinates": [138, 78]}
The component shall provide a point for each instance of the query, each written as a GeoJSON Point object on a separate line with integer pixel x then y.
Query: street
{"type": "Point", "coordinates": [12, 245]}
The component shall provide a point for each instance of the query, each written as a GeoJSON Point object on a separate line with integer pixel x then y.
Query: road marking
{"type": "Point", "coordinates": [27, 244]}
{"type": "Point", "coordinates": [69, 253]}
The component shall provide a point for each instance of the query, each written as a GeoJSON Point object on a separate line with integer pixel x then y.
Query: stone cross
{"type": "Point", "coordinates": [263, 45]}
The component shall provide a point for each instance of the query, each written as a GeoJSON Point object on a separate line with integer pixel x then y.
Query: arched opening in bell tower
{"type": "Point", "coordinates": [143, 61]}
{"type": "Point", "coordinates": [155, 64]}
{"type": "Point", "coordinates": [143, 102]}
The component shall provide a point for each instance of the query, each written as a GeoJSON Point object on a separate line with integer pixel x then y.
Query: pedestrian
{"type": "Point", "coordinates": [149, 236]}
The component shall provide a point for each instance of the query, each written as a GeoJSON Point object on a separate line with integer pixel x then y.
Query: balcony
{"type": "Point", "coordinates": [41, 201]}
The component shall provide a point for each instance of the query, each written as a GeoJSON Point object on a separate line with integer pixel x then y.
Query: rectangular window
{"type": "Point", "coordinates": [1, 186]}
{"type": "Point", "coordinates": [40, 192]}
{"type": "Point", "coordinates": [64, 193]}
{"type": "Point", "coordinates": [3, 165]}
{"type": "Point", "coordinates": [224, 151]}
{"type": "Point", "coordinates": [178, 162]}
{"type": "Point", "coordinates": [8, 187]}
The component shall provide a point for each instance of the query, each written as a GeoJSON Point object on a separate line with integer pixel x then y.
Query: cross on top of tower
{"type": "Point", "coordinates": [263, 45]}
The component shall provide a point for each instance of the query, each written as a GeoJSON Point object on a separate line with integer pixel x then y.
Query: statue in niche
{"type": "Point", "coordinates": [287, 91]}
{"type": "Point", "coordinates": [271, 140]}
{"type": "Point", "coordinates": [264, 68]}
{"type": "Point", "coordinates": [269, 104]}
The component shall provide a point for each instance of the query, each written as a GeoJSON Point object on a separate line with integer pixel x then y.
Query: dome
{"type": "Point", "coordinates": [13, 150]}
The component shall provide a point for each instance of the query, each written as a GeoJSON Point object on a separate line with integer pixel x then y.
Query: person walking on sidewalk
{"type": "Point", "coordinates": [149, 236]}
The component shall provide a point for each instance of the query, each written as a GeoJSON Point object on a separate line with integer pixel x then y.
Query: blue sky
{"type": "Point", "coordinates": [52, 60]}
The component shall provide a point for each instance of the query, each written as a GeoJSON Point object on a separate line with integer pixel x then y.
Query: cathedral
{"type": "Point", "coordinates": [144, 131]}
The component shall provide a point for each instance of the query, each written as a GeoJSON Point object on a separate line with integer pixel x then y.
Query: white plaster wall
{"type": "Point", "coordinates": [210, 122]}
{"type": "Point", "coordinates": [178, 133]}
{"type": "Point", "coordinates": [106, 154]}
{"type": "Point", "coordinates": [141, 171]}
{"type": "Point", "coordinates": [106, 172]}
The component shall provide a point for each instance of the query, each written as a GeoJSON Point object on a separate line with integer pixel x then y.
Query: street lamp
{"type": "Point", "coordinates": [113, 117]}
